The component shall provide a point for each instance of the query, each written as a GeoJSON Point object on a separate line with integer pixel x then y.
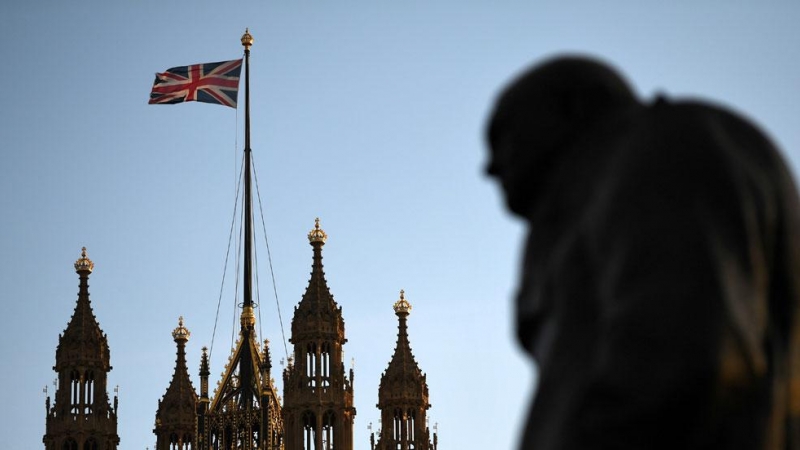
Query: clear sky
{"type": "Point", "coordinates": [367, 114]}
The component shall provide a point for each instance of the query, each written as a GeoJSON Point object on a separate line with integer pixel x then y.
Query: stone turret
{"type": "Point", "coordinates": [403, 395]}
{"type": "Point", "coordinates": [176, 417]}
{"type": "Point", "coordinates": [82, 416]}
{"type": "Point", "coordinates": [318, 409]}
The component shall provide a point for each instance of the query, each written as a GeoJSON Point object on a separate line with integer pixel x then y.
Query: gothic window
{"type": "Point", "coordinates": [247, 437]}
{"type": "Point", "coordinates": [325, 356]}
{"type": "Point", "coordinates": [311, 364]}
{"type": "Point", "coordinates": [309, 431]}
{"type": "Point", "coordinates": [173, 442]}
{"type": "Point", "coordinates": [411, 427]}
{"type": "Point", "coordinates": [328, 431]}
{"type": "Point", "coordinates": [91, 444]}
{"type": "Point", "coordinates": [74, 389]}
{"type": "Point", "coordinates": [70, 444]}
{"type": "Point", "coordinates": [397, 428]}
{"type": "Point", "coordinates": [241, 438]}
{"type": "Point", "coordinates": [88, 393]}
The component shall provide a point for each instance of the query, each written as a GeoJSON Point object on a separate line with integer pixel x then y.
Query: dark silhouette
{"type": "Point", "coordinates": [659, 291]}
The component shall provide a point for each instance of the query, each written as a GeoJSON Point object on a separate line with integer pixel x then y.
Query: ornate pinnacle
{"type": "Point", "coordinates": [204, 369]}
{"type": "Point", "coordinates": [84, 264]}
{"type": "Point", "coordinates": [317, 234]}
{"type": "Point", "coordinates": [247, 39]}
{"type": "Point", "coordinates": [265, 357]}
{"type": "Point", "coordinates": [402, 306]}
{"type": "Point", "coordinates": [181, 333]}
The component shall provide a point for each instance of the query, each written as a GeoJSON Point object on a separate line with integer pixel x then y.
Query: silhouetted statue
{"type": "Point", "coordinates": [659, 291]}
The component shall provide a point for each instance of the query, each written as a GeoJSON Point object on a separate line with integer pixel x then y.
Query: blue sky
{"type": "Point", "coordinates": [368, 115]}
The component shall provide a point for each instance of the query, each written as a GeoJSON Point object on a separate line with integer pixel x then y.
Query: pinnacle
{"type": "Point", "coordinates": [403, 368]}
{"type": "Point", "coordinates": [83, 340]}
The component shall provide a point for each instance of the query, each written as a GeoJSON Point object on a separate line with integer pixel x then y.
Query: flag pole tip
{"type": "Point", "coordinates": [247, 39]}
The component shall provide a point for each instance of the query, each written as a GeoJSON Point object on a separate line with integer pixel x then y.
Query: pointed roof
{"type": "Point", "coordinates": [83, 342]}
{"type": "Point", "coordinates": [403, 380]}
{"type": "Point", "coordinates": [230, 391]}
{"type": "Point", "coordinates": [177, 407]}
{"type": "Point", "coordinates": [317, 314]}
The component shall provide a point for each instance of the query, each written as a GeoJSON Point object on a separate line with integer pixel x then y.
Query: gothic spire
{"type": "Point", "coordinates": [176, 416]}
{"type": "Point", "coordinates": [83, 342]}
{"type": "Point", "coordinates": [403, 395]}
{"type": "Point", "coordinates": [318, 409]}
{"type": "Point", "coordinates": [82, 416]}
{"type": "Point", "coordinates": [403, 369]}
{"type": "Point", "coordinates": [317, 304]}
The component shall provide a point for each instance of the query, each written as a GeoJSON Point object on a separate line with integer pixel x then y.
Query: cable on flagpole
{"type": "Point", "coordinates": [225, 266]}
{"type": "Point", "coordinates": [269, 258]}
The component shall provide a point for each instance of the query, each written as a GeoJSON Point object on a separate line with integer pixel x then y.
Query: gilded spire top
{"type": "Point", "coordinates": [402, 306]}
{"type": "Point", "coordinates": [84, 264]}
{"type": "Point", "coordinates": [181, 333]}
{"type": "Point", "coordinates": [247, 39]}
{"type": "Point", "coordinates": [317, 235]}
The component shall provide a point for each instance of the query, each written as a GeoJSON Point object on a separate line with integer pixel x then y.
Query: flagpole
{"type": "Point", "coordinates": [248, 318]}
{"type": "Point", "coordinates": [247, 41]}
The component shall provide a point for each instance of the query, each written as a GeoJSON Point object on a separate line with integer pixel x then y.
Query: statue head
{"type": "Point", "coordinates": [540, 114]}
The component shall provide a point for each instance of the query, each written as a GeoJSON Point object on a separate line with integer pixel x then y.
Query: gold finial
{"type": "Point", "coordinates": [247, 39]}
{"type": "Point", "coordinates": [84, 264]}
{"type": "Point", "coordinates": [181, 333]}
{"type": "Point", "coordinates": [248, 318]}
{"type": "Point", "coordinates": [402, 306]}
{"type": "Point", "coordinates": [317, 235]}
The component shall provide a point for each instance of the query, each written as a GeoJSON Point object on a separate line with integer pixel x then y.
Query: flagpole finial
{"type": "Point", "coordinates": [247, 39]}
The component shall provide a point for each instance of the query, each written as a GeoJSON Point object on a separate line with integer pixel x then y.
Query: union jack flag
{"type": "Point", "coordinates": [210, 83]}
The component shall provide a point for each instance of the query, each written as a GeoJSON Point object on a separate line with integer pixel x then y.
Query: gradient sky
{"type": "Point", "coordinates": [367, 114]}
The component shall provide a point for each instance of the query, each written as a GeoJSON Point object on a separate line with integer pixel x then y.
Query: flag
{"type": "Point", "coordinates": [210, 83]}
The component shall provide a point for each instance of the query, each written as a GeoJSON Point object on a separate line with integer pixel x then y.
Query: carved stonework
{"type": "Point", "coordinates": [318, 409]}
{"type": "Point", "coordinates": [245, 411]}
{"type": "Point", "coordinates": [403, 395]}
{"type": "Point", "coordinates": [81, 416]}
{"type": "Point", "coordinates": [176, 418]}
